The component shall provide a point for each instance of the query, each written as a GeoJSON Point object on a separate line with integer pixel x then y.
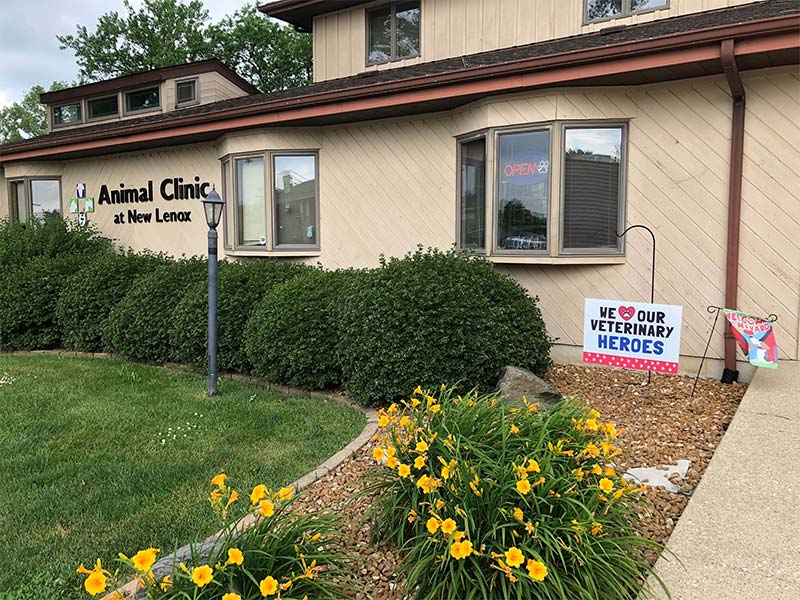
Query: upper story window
{"type": "Point", "coordinates": [143, 99]}
{"type": "Point", "coordinates": [37, 198]}
{"type": "Point", "coordinates": [601, 10]}
{"type": "Point", "coordinates": [67, 114]}
{"type": "Point", "coordinates": [99, 108]}
{"type": "Point", "coordinates": [185, 92]}
{"type": "Point", "coordinates": [393, 32]}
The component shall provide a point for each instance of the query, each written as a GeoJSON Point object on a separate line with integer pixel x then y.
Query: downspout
{"type": "Point", "coordinates": [731, 374]}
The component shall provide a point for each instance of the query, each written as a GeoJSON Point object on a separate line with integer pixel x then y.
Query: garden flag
{"type": "Point", "coordinates": [756, 338]}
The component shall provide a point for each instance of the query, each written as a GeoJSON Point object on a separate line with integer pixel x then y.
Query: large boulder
{"type": "Point", "coordinates": [517, 383]}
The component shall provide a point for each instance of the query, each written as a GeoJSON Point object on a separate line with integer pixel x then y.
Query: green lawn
{"type": "Point", "coordinates": [99, 456]}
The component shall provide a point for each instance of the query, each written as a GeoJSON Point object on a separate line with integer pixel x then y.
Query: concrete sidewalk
{"type": "Point", "coordinates": [739, 537]}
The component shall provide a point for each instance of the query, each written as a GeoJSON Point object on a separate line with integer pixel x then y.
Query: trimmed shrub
{"type": "Point", "coordinates": [490, 500]}
{"type": "Point", "coordinates": [21, 242]}
{"type": "Point", "coordinates": [88, 296]}
{"type": "Point", "coordinates": [139, 326]}
{"type": "Point", "coordinates": [292, 337]}
{"type": "Point", "coordinates": [436, 317]}
{"type": "Point", "coordinates": [28, 295]}
{"type": "Point", "coordinates": [241, 287]}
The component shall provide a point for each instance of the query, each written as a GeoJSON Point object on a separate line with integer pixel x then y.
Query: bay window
{"type": "Point", "coordinates": [275, 203]}
{"type": "Point", "coordinates": [557, 190]}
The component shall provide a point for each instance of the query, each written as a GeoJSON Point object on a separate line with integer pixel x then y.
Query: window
{"type": "Point", "coordinates": [558, 190]}
{"type": "Point", "coordinates": [295, 198]}
{"type": "Point", "coordinates": [592, 205]}
{"type": "Point", "coordinates": [251, 202]}
{"type": "Point", "coordinates": [102, 107]}
{"type": "Point", "coordinates": [67, 114]}
{"type": "Point", "coordinates": [600, 10]}
{"type": "Point", "coordinates": [472, 192]}
{"type": "Point", "coordinates": [35, 198]}
{"type": "Point", "coordinates": [18, 201]}
{"type": "Point", "coordinates": [186, 92]}
{"type": "Point", "coordinates": [277, 201]}
{"type": "Point", "coordinates": [393, 32]}
{"type": "Point", "coordinates": [144, 99]}
{"type": "Point", "coordinates": [523, 195]}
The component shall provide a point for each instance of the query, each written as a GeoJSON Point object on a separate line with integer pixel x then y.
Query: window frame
{"type": "Point", "coordinates": [139, 111]}
{"type": "Point", "coordinates": [81, 114]}
{"type": "Point", "coordinates": [196, 86]}
{"type": "Point", "coordinates": [393, 38]}
{"type": "Point", "coordinates": [460, 141]}
{"type": "Point", "coordinates": [550, 127]}
{"type": "Point", "coordinates": [106, 117]}
{"type": "Point", "coordinates": [626, 12]}
{"type": "Point", "coordinates": [622, 212]}
{"type": "Point", "coordinates": [231, 188]}
{"type": "Point", "coordinates": [28, 189]}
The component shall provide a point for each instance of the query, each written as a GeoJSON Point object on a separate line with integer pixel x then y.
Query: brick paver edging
{"type": "Point", "coordinates": [371, 426]}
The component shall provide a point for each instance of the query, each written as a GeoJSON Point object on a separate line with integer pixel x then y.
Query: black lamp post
{"type": "Point", "coordinates": [212, 205]}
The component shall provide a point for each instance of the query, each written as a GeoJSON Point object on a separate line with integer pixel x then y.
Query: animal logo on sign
{"type": "Point", "coordinates": [80, 190]}
{"type": "Point", "coordinates": [626, 312]}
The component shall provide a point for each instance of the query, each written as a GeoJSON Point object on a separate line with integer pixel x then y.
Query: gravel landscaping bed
{"type": "Point", "coordinates": [658, 423]}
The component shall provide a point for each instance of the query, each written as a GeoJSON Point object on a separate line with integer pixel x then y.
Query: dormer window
{"type": "Point", "coordinates": [67, 114]}
{"type": "Point", "coordinates": [100, 108]}
{"type": "Point", "coordinates": [185, 92]}
{"type": "Point", "coordinates": [603, 10]}
{"type": "Point", "coordinates": [143, 99]}
{"type": "Point", "coordinates": [393, 32]}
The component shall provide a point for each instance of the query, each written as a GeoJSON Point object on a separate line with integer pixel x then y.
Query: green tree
{"type": "Point", "coordinates": [269, 55]}
{"type": "Point", "coordinates": [160, 33]}
{"type": "Point", "coordinates": [26, 118]}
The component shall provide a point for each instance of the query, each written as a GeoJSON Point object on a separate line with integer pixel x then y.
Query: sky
{"type": "Point", "coordinates": [29, 50]}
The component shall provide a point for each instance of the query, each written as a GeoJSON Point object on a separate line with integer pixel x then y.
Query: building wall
{"type": "Point", "coordinates": [458, 27]}
{"type": "Point", "coordinates": [387, 186]}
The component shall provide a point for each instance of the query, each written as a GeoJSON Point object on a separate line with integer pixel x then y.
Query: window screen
{"type": "Point", "coordinates": [592, 188]}
{"type": "Point", "coordinates": [186, 91]}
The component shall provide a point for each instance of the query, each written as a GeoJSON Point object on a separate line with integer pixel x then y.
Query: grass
{"type": "Point", "coordinates": [99, 456]}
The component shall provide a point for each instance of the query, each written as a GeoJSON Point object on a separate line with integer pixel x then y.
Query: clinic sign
{"type": "Point", "coordinates": [632, 335]}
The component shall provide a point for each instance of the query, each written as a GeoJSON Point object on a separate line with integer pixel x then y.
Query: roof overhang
{"type": "Point", "coordinates": [301, 13]}
{"type": "Point", "coordinates": [758, 44]}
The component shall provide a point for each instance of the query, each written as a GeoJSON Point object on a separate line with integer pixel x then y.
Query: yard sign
{"type": "Point", "coordinates": [632, 335]}
{"type": "Point", "coordinates": [755, 337]}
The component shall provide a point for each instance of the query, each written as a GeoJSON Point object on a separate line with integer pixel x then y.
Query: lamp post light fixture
{"type": "Point", "coordinates": [212, 205]}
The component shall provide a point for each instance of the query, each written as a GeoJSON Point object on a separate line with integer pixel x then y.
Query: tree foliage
{"type": "Point", "coordinates": [161, 33]}
{"type": "Point", "coordinates": [26, 118]}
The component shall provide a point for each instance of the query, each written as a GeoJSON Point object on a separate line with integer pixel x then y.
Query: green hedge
{"type": "Point", "coordinates": [88, 296]}
{"type": "Point", "coordinates": [21, 242]}
{"type": "Point", "coordinates": [436, 317]}
{"type": "Point", "coordinates": [139, 325]}
{"type": "Point", "coordinates": [292, 337]}
{"type": "Point", "coordinates": [241, 287]}
{"type": "Point", "coordinates": [28, 296]}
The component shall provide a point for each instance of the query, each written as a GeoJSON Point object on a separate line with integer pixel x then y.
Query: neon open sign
{"type": "Point", "coordinates": [528, 169]}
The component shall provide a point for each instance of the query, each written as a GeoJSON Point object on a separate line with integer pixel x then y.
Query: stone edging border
{"type": "Point", "coordinates": [371, 426]}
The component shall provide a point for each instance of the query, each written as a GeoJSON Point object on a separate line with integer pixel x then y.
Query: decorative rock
{"type": "Point", "coordinates": [516, 383]}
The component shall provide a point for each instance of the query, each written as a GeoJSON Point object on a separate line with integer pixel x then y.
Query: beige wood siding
{"type": "Point", "coordinates": [458, 27]}
{"type": "Point", "coordinates": [387, 186]}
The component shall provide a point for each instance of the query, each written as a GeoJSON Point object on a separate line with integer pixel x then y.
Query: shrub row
{"type": "Point", "coordinates": [432, 317]}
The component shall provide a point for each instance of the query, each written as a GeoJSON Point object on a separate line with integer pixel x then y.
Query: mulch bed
{"type": "Point", "coordinates": [658, 425]}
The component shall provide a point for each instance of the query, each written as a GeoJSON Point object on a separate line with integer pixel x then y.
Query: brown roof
{"type": "Point", "coordinates": [145, 77]}
{"type": "Point", "coordinates": [686, 33]}
{"type": "Point", "coordinates": [301, 13]}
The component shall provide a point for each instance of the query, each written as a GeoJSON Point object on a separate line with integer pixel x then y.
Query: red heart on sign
{"type": "Point", "coordinates": [626, 312]}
